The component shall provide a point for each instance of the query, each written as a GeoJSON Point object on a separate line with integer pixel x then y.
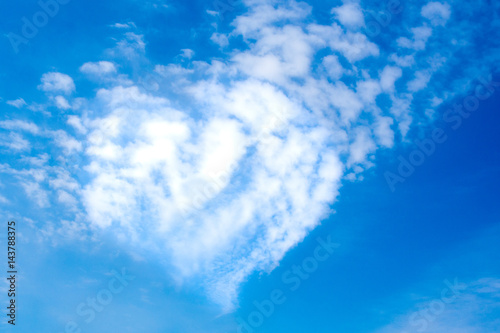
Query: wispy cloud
{"type": "Point", "coordinates": [57, 82]}
{"type": "Point", "coordinates": [459, 308]}
{"type": "Point", "coordinates": [17, 103]}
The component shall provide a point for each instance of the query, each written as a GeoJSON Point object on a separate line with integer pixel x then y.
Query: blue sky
{"type": "Point", "coordinates": [252, 166]}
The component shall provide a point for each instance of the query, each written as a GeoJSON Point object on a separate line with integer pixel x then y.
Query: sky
{"type": "Point", "coordinates": [251, 165]}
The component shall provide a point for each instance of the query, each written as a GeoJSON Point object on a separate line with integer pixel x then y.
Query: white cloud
{"type": "Point", "coordinates": [57, 82]}
{"type": "Point", "coordinates": [14, 141]}
{"type": "Point", "coordinates": [280, 53]}
{"type": "Point", "coordinates": [20, 125]}
{"type": "Point", "coordinates": [333, 67]}
{"type": "Point", "coordinates": [68, 143]}
{"type": "Point", "coordinates": [4, 200]}
{"type": "Point", "coordinates": [130, 47]}
{"type": "Point", "coordinates": [354, 46]}
{"type": "Point", "coordinates": [63, 181]}
{"type": "Point", "coordinates": [62, 103]}
{"type": "Point", "coordinates": [403, 61]}
{"type": "Point", "coordinates": [172, 69]}
{"type": "Point", "coordinates": [37, 161]}
{"type": "Point", "coordinates": [261, 15]}
{"type": "Point", "coordinates": [70, 230]}
{"type": "Point", "coordinates": [350, 15]}
{"type": "Point", "coordinates": [361, 146]}
{"type": "Point", "coordinates": [420, 81]}
{"type": "Point", "coordinates": [219, 39]}
{"type": "Point", "coordinates": [127, 25]}
{"type": "Point", "coordinates": [437, 12]}
{"type": "Point", "coordinates": [368, 90]}
{"type": "Point", "coordinates": [76, 122]}
{"type": "Point", "coordinates": [419, 41]}
{"type": "Point", "coordinates": [389, 76]}
{"type": "Point", "coordinates": [401, 110]}
{"type": "Point", "coordinates": [383, 132]}
{"type": "Point", "coordinates": [67, 199]}
{"type": "Point", "coordinates": [17, 103]}
{"type": "Point", "coordinates": [99, 68]}
{"type": "Point", "coordinates": [212, 12]}
{"type": "Point", "coordinates": [459, 310]}
{"type": "Point", "coordinates": [187, 53]}
{"type": "Point", "coordinates": [36, 193]}
{"type": "Point", "coordinates": [172, 164]}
